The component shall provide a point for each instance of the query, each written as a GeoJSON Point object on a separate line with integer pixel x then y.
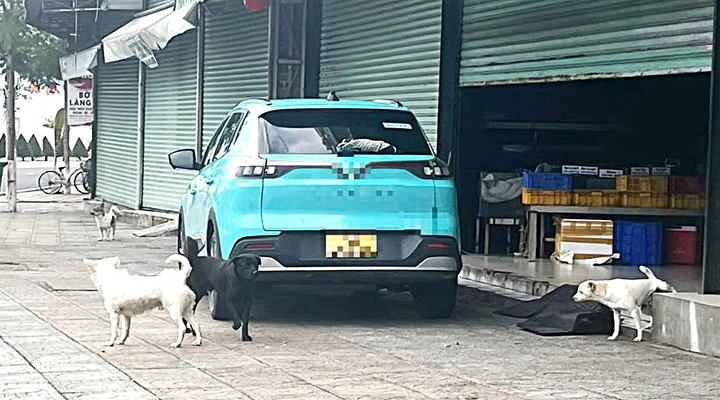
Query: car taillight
{"type": "Point", "coordinates": [433, 169]}
{"type": "Point", "coordinates": [250, 169]}
{"type": "Point", "coordinates": [438, 246]}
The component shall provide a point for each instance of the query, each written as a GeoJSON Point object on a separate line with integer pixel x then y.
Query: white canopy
{"type": "Point", "coordinates": [78, 64]}
{"type": "Point", "coordinates": [146, 34]}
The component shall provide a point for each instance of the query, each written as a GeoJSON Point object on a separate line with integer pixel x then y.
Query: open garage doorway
{"type": "Point", "coordinates": [628, 121]}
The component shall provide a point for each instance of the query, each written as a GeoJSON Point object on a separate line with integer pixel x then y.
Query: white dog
{"type": "Point", "coordinates": [126, 296]}
{"type": "Point", "coordinates": [623, 294]}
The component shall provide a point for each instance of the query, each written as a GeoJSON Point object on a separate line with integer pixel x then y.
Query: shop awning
{"type": "Point", "coordinates": [78, 64]}
{"type": "Point", "coordinates": [148, 33]}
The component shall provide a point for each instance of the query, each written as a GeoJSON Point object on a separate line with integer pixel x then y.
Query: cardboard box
{"type": "Point", "coordinates": [586, 238]}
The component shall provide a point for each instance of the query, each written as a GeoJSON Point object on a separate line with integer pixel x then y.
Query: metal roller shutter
{"type": "Point", "coordinates": [169, 121]}
{"type": "Point", "coordinates": [374, 49]}
{"type": "Point", "coordinates": [507, 41]}
{"type": "Point", "coordinates": [117, 145]}
{"type": "Point", "coordinates": [155, 3]}
{"type": "Point", "coordinates": [236, 60]}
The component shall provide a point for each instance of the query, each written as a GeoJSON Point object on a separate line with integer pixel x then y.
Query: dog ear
{"type": "Point", "coordinates": [591, 286]}
{"type": "Point", "coordinates": [90, 264]}
{"type": "Point", "coordinates": [256, 259]}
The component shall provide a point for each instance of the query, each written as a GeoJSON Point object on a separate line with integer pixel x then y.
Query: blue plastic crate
{"type": "Point", "coordinates": [638, 243]}
{"type": "Point", "coordinates": [547, 181]}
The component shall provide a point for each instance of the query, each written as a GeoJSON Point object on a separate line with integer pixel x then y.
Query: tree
{"type": "Point", "coordinates": [30, 55]}
{"type": "Point", "coordinates": [47, 149]}
{"type": "Point", "coordinates": [22, 148]}
{"type": "Point", "coordinates": [34, 147]}
{"type": "Point", "coordinates": [79, 150]}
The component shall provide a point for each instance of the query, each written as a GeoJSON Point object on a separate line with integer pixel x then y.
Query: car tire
{"type": "Point", "coordinates": [219, 309]}
{"type": "Point", "coordinates": [435, 300]}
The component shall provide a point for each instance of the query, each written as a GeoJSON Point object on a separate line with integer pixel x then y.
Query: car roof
{"type": "Point", "coordinates": [263, 105]}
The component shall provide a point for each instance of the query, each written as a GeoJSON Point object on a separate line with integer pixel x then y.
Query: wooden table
{"type": "Point", "coordinates": [537, 217]}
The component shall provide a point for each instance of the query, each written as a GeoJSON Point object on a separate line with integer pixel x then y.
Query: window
{"type": "Point", "coordinates": [225, 137]}
{"type": "Point", "coordinates": [213, 143]}
{"type": "Point", "coordinates": [314, 131]}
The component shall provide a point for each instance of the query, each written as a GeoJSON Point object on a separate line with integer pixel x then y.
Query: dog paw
{"type": "Point", "coordinates": [247, 339]}
{"type": "Point", "coordinates": [236, 325]}
{"type": "Point", "coordinates": [109, 344]}
{"type": "Point", "coordinates": [174, 345]}
{"type": "Point", "coordinates": [197, 343]}
{"type": "Point", "coordinates": [637, 339]}
{"type": "Point", "coordinates": [613, 337]}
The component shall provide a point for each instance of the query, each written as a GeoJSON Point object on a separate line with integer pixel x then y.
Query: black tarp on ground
{"type": "Point", "coordinates": [557, 314]}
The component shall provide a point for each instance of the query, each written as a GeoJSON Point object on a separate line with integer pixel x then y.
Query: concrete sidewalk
{"type": "Point", "coordinates": [306, 345]}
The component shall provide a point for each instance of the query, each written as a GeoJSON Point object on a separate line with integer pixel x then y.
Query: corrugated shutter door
{"type": "Point", "coordinates": [155, 3]}
{"type": "Point", "coordinates": [169, 121]}
{"type": "Point", "coordinates": [520, 40]}
{"type": "Point", "coordinates": [236, 60]}
{"type": "Point", "coordinates": [375, 49]}
{"type": "Point", "coordinates": [117, 145]}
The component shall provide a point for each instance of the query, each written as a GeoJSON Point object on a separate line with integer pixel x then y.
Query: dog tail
{"type": "Point", "coordinates": [185, 266]}
{"type": "Point", "coordinates": [115, 209]}
{"type": "Point", "coordinates": [660, 283]}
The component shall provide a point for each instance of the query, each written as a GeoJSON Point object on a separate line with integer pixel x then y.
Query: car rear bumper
{"type": "Point", "coordinates": [432, 269]}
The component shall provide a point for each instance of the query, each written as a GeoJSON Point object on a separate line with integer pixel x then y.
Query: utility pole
{"type": "Point", "coordinates": [711, 256]}
{"type": "Point", "coordinates": [11, 194]}
{"type": "Point", "coordinates": [66, 143]}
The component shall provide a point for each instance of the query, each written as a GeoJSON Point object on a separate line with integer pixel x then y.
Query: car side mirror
{"type": "Point", "coordinates": [183, 159]}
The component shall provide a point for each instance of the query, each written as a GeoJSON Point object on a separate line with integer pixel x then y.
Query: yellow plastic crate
{"type": "Point", "coordinates": [645, 200]}
{"type": "Point", "coordinates": [641, 184]}
{"type": "Point", "coordinates": [687, 201]}
{"type": "Point", "coordinates": [546, 197]}
{"type": "Point", "coordinates": [596, 198]}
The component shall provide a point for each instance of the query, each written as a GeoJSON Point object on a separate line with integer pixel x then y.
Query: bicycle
{"type": "Point", "coordinates": [52, 181]}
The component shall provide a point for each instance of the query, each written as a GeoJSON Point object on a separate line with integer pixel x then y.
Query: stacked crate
{"type": "Point", "coordinates": [547, 189]}
{"type": "Point", "coordinates": [638, 243]}
{"type": "Point", "coordinates": [586, 238]}
{"type": "Point", "coordinates": [687, 192]}
{"type": "Point", "coordinates": [643, 191]}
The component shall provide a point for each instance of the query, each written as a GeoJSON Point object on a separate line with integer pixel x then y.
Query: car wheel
{"type": "Point", "coordinates": [219, 309]}
{"type": "Point", "coordinates": [435, 300]}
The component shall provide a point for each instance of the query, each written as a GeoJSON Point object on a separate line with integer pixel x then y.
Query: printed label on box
{"type": "Point", "coordinates": [610, 173]}
{"type": "Point", "coordinates": [588, 170]}
{"type": "Point", "coordinates": [639, 171]}
{"type": "Point", "coordinates": [664, 171]}
{"type": "Point", "coordinates": [571, 169]}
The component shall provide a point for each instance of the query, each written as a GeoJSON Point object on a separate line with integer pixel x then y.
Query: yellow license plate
{"type": "Point", "coordinates": [350, 246]}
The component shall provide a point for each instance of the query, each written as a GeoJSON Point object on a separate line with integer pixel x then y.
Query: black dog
{"type": "Point", "coordinates": [233, 280]}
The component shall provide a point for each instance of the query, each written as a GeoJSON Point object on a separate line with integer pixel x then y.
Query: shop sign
{"type": "Point", "coordinates": [80, 101]}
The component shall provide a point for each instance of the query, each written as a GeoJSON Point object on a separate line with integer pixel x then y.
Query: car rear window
{"type": "Point", "coordinates": [330, 131]}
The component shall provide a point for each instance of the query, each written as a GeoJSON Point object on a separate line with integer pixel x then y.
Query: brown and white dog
{"type": "Point", "coordinates": [105, 221]}
{"type": "Point", "coordinates": [623, 295]}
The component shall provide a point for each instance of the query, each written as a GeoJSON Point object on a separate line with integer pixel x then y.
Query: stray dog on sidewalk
{"type": "Point", "coordinates": [233, 280]}
{"type": "Point", "coordinates": [624, 295]}
{"type": "Point", "coordinates": [105, 221]}
{"type": "Point", "coordinates": [126, 296]}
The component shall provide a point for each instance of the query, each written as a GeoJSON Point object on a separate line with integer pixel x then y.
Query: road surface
{"type": "Point", "coordinates": [306, 344]}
